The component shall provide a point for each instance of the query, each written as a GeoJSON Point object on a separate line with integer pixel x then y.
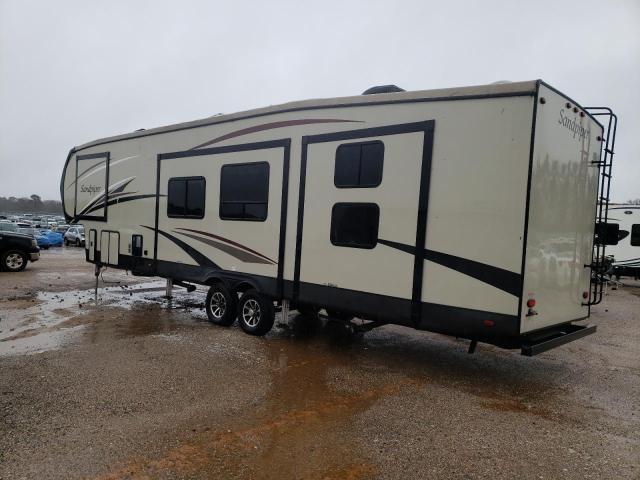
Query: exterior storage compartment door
{"type": "Point", "coordinates": [109, 247]}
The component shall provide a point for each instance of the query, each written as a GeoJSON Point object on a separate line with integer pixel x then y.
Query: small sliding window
{"type": "Point", "coordinates": [186, 197]}
{"type": "Point", "coordinates": [244, 191]}
{"type": "Point", "coordinates": [359, 165]}
{"type": "Point", "coordinates": [355, 225]}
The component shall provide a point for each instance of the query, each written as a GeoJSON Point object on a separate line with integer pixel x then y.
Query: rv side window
{"type": "Point", "coordinates": [359, 165]}
{"type": "Point", "coordinates": [185, 197]}
{"type": "Point", "coordinates": [355, 225]}
{"type": "Point", "coordinates": [244, 191]}
{"type": "Point", "coordinates": [635, 235]}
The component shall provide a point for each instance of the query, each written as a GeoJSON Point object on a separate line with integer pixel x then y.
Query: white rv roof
{"type": "Point", "coordinates": [444, 93]}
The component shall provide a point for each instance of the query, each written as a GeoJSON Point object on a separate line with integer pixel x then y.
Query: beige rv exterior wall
{"type": "Point", "coordinates": [561, 213]}
{"type": "Point", "coordinates": [476, 201]}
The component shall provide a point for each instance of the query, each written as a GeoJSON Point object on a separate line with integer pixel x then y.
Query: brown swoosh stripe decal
{"type": "Point", "coordinates": [269, 126]}
{"type": "Point", "coordinates": [241, 255]}
{"type": "Point", "coordinates": [231, 242]}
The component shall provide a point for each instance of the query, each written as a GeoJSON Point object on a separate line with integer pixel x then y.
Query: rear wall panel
{"type": "Point", "coordinates": [561, 213]}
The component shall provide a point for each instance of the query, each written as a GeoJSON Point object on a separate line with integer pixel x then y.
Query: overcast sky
{"type": "Point", "coordinates": [74, 71]}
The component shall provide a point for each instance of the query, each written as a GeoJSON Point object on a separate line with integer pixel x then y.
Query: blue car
{"type": "Point", "coordinates": [42, 240]}
{"type": "Point", "coordinates": [55, 238]}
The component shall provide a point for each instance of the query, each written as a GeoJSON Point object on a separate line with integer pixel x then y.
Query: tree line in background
{"type": "Point", "coordinates": [33, 204]}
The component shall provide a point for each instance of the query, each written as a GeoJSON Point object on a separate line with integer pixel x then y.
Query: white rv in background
{"type": "Point", "coordinates": [626, 253]}
{"type": "Point", "coordinates": [464, 211]}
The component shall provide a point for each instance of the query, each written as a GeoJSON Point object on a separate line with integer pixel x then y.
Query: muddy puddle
{"type": "Point", "coordinates": [319, 386]}
{"type": "Point", "coordinates": [300, 429]}
{"type": "Point", "coordinates": [44, 321]}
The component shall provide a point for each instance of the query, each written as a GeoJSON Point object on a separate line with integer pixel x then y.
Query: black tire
{"type": "Point", "coordinates": [14, 261]}
{"type": "Point", "coordinates": [221, 305]}
{"type": "Point", "coordinates": [66, 242]}
{"type": "Point", "coordinates": [338, 315]}
{"type": "Point", "coordinates": [47, 247]}
{"type": "Point", "coordinates": [77, 242]}
{"type": "Point", "coordinates": [255, 313]}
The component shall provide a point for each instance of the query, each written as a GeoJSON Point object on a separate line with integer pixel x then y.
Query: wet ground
{"type": "Point", "coordinates": [139, 388]}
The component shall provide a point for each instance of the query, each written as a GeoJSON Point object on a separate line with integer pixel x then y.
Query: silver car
{"type": "Point", "coordinates": [74, 236]}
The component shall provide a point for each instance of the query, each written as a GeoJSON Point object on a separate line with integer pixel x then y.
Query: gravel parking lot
{"type": "Point", "coordinates": [140, 388]}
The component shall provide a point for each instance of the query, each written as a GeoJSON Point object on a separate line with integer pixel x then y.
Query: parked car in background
{"type": "Point", "coordinates": [74, 236]}
{"type": "Point", "coordinates": [42, 240]}
{"type": "Point", "coordinates": [55, 238]}
{"type": "Point", "coordinates": [6, 226]}
{"type": "Point", "coordinates": [62, 228]}
{"type": "Point", "coordinates": [16, 249]}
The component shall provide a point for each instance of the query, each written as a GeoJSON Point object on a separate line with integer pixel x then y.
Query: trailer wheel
{"type": "Point", "coordinates": [221, 306]}
{"type": "Point", "coordinates": [338, 315]}
{"type": "Point", "coordinates": [255, 313]}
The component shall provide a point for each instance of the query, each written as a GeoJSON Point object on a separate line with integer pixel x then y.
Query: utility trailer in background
{"type": "Point", "coordinates": [625, 253]}
{"type": "Point", "coordinates": [466, 211]}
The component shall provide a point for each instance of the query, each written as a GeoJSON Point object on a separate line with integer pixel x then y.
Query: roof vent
{"type": "Point", "coordinates": [383, 89]}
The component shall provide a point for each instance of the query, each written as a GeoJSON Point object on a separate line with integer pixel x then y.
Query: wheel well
{"type": "Point", "coordinates": [214, 281]}
{"type": "Point", "coordinates": [237, 287]}
{"type": "Point", "coordinates": [243, 287]}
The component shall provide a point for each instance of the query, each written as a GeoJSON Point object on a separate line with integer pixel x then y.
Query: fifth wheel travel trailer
{"type": "Point", "coordinates": [625, 254]}
{"type": "Point", "coordinates": [465, 211]}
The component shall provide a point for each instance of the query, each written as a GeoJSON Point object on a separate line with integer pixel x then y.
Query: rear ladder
{"type": "Point", "coordinates": [598, 264]}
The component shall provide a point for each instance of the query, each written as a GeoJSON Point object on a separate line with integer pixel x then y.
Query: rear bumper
{"type": "Point", "coordinates": [554, 337]}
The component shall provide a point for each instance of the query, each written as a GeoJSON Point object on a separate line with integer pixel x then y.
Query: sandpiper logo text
{"type": "Point", "coordinates": [91, 189]}
{"type": "Point", "coordinates": [573, 125]}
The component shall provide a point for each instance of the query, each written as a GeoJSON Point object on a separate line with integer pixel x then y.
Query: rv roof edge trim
{"type": "Point", "coordinates": [525, 88]}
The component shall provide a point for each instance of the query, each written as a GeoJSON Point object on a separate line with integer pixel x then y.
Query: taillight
{"type": "Point", "coordinates": [531, 302]}
{"type": "Point", "coordinates": [585, 295]}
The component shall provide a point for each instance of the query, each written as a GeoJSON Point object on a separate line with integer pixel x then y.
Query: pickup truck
{"type": "Point", "coordinates": [16, 249]}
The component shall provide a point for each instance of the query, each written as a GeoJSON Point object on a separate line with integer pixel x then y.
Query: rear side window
{"type": "Point", "coordinates": [355, 225]}
{"type": "Point", "coordinates": [359, 165]}
{"type": "Point", "coordinates": [186, 197]}
{"type": "Point", "coordinates": [244, 191]}
{"type": "Point", "coordinates": [635, 235]}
